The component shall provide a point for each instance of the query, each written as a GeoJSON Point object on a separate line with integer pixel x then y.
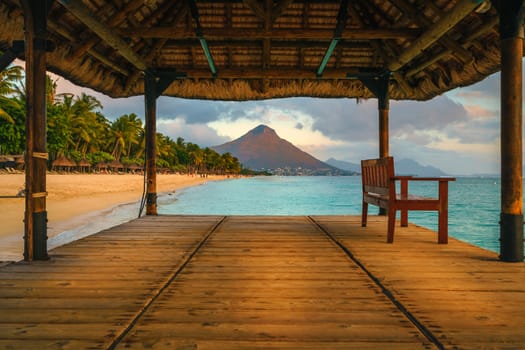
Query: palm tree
{"type": "Point", "coordinates": [126, 132]}
{"type": "Point", "coordinates": [9, 78]}
{"type": "Point", "coordinates": [88, 125]}
{"type": "Point", "coordinates": [196, 156]}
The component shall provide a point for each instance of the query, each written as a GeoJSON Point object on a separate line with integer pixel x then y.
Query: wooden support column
{"type": "Point", "coordinates": [150, 95]}
{"type": "Point", "coordinates": [379, 87]}
{"type": "Point", "coordinates": [35, 218]}
{"type": "Point", "coordinates": [384, 141]}
{"type": "Point", "coordinates": [155, 83]}
{"type": "Point", "coordinates": [511, 219]}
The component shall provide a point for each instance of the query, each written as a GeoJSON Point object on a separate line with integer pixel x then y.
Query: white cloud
{"type": "Point", "coordinates": [199, 134]}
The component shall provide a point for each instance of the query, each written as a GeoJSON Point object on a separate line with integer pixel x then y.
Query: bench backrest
{"type": "Point", "coordinates": [376, 175]}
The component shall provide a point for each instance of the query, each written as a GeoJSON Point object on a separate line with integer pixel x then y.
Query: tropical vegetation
{"type": "Point", "coordinates": [77, 130]}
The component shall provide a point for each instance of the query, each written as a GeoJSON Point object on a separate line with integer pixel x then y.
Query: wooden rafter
{"type": "Point", "coordinates": [79, 10]}
{"type": "Point", "coordinates": [434, 33]}
{"type": "Point", "coordinates": [169, 32]}
{"type": "Point", "coordinates": [381, 45]}
{"type": "Point", "coordinates": [119, 17]}
{"type": "Point", "coordinates": [463, 55]}
{"type": "Point", "coordinates": [271, 73]}
{"type": "Point", "coordinates": [101, 58]}
{"type": "Point", "coordinates": [484, 28]}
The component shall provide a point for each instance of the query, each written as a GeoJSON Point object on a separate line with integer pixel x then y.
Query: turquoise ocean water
{"type": "Point", "coordinates": [474, 221]}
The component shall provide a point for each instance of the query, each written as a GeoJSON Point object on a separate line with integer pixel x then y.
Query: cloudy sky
{"type": "Point", "coordinates": [457, 132]}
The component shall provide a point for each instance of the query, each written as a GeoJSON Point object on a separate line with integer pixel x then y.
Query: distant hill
{"type": "Point", "coordinates": [262, 149]}
{"type": "Point", "coordinates": [411, 167]}
{"type": "Point", "coordinates": [341, 164]}
{"type": "Point", "coordinates": [403, 167]}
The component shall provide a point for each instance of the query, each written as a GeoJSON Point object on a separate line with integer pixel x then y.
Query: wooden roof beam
{"type": "Point", "coordinates": [484, 28]}
{"type": "Point", "coordinates": [280, 73]}
{"type": "Point", "coordinates": [79, 10]}
{"type": "Point", "coordinates": [117, 19]}
{"type": "Point", "coordinates": [103, 59]}
{"type": "Point", "coordinates": [462, 9]}
{"type": "Point", "coordinates": [462, 54]}
{"type": "Point", "coordinates": [217, 34]}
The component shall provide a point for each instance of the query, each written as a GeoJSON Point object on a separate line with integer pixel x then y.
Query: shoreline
{"type": "Point", "coordinates": [76, 201]}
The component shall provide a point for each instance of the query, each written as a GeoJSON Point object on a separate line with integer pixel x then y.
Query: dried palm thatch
{"type": "Point", "coordinates": [63, 163]}
{"type": "Point", "coordinates": [115, 165]}
{"type": "Point", "coordinates": [84, 165]}
{"type": "Point", "coordinates": [253, 49]}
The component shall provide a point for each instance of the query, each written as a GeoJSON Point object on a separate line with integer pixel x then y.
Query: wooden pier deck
{"type": "Point", "coordinates": [241, 282]}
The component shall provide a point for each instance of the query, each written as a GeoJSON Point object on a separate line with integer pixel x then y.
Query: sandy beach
{"type": "Point", "coordinates": [74, 198]}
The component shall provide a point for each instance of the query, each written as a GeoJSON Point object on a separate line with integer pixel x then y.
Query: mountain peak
{"type": "Point", "coordinates": [262, 129]}
{"type": "Point", "coordinates": [262, 148]}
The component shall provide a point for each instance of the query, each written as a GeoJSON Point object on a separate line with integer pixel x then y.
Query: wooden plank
{"type": "Point", "coordinates": [459, 290]}
{"type": "Point", "coordinates": [90, 288]}
{"type": "Point", "coordinates": [252, 303]}
{"type": "Point", "coordinates": [261, 282]}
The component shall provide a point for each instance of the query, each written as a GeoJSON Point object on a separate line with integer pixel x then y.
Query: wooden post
{"type": "Point", "coordinates": [379, 87]}
{"type": "Point", "coordinates": [150, 96]}
{"type": "Point", "coordinates": [511, 219]}
{"type": "Point", "coordinates": [155, 83]}
{"type": "Point", "coordinates": [383, 107]}
{"type": "Point", "coordinates": [35, 218]}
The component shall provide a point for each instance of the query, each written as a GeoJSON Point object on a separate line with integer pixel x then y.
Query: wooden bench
{"type": "Point", "coordinates": [379, 188]}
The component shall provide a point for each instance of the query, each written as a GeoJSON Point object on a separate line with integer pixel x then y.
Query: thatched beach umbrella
{"type": "Point", "coordinates": [62, 163]}
{"type": "Point", "coordinates": [84, 165]}
{"type": "Point", "coordinates": [133, 167]}
{"type": "Point", "coordinates": [101, 167]}
{"type": "Point", "coordinates": [115, 166]}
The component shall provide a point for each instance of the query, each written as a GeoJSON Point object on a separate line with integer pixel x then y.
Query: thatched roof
{"type": "Point", "coordinates": [134, 166]}
{"type": "Point", "coordinates": [266, 49]}
{"type": "Point", "coordinates": [115, 164]}
{"type": "Point", "coordinates": [84, 163]}
{"type": "Point", "coordinates": [63, 161]}
{"type": "Point", "coordinates": [101, 165]}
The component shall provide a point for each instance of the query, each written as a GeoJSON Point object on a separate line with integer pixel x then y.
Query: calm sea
{"type": "Point", "coordinates": [474, 221]}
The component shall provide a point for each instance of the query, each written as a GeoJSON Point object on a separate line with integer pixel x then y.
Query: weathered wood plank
{"type": "Point", "coordinates": [233, 291]}
{"type": "Point", "coordinates": [460, 291]}
{"type": "Point", "coordinates": [261, 282]}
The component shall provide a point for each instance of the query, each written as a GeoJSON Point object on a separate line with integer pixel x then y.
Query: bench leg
{"type": "Point", "coordinates": [443, 227]}
{"type": "Point", "coordinates": [364, 214]}
{"type": "Point", "coordinates": [404, 218]}
{"type": "Point", "coordinates": [404, 195]}
{"type": "Point", "coordinates": [443, 213]}
{"type": "Point", "coordinates": [391, 225]}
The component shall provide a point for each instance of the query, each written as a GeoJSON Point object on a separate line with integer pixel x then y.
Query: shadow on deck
{"type": "Point", "coordinates": [245, 282]}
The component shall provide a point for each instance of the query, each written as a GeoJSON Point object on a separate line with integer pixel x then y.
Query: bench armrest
{"type": "Point", "coordinates": [416, 178]}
